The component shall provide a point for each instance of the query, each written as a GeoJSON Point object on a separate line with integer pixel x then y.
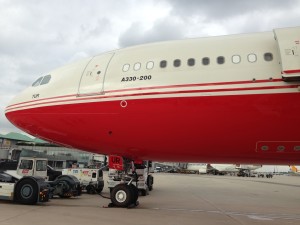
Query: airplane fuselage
{"type": "Point", "coordinates": [215, 100]}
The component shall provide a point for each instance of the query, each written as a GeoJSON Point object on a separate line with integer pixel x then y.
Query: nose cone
{"type": "Point", "coordinates": [12, 110]}
{"type": "Point", "coordinates": [15, 112]}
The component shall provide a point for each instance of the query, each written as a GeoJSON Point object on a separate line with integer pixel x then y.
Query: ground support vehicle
{"type": "Point", "coordinates": [245, 173]}
{"type": "Point", "coordinates": [26, 190]}
{"type": "Point", "coordinates": [64, 186]}
{"type": "Point", "coordinates": [90, 180]}
{"type": "Point", "coordinates": [269, 175]}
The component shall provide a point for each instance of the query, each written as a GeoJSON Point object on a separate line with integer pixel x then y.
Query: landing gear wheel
{"type": "Point", "coordinates": [150, 181]}
{"type": "Point", "coordinates": [26, 192]}
{"type": "Point", "coordinates": [145, 192]}
{"type": "Point", "coordinates": [122, 195]}
{"type": "Point", "coordinates": [135, 193]}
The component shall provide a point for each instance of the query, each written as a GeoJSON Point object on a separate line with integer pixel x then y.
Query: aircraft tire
{"type": "Point", "coordinates": [150, 181]}
{"type": "Point", "coordinates": [122, 195]}
{"type": "Point", "coordinates": [135, 193]}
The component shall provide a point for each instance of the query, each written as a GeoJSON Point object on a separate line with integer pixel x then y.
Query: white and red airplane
{"type": "Point", "coordinates": [221, 99]}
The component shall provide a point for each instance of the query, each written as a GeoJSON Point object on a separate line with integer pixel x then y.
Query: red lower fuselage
{"type": "Point", "coordinates": [259, 128]}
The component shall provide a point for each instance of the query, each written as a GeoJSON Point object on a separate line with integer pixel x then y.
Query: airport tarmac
{"type": "Point", "coordinates": [175, 199]}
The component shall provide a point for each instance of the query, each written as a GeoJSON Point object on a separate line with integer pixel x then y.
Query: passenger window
{"type": "Point", "coordinates": [46, 79]}
{"type": "Point", "coordinates": [191, 62]}
{"type": "Point", "coordinates": [221, 60]}
{"type": "Point", "coordinates": [150, 65]}
{"type": "Point", "coordinates": [137, 66]}
{"type": "Point", "coordinates": [236, 59]}
{"type": "Point", "coordinates": [252, 58]}
{"type": "Point", "coordinates": [268, 56]}
{"type": "Point", "coordinates": [163, 64]}
{"type": "Point", "coordinates": [205, 61]}
{"type": "Point", "coordinates": [176, 62]}
{"type": "Point", "coordinates": [126, 67]}
{"type": "Point", "coordinates": [37, 82]}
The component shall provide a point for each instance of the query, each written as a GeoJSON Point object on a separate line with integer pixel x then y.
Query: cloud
{"type": "Point", "coordinates": [216, 17]}
{"type": "Point", "coordinates": [162, 30]}
{"type": "Point", "coordinates": [215, 10]}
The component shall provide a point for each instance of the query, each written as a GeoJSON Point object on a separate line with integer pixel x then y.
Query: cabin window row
{"type": "Point", "coordinates": [252, 58]}
{"type": "Point", "coordinates": [137, 66]}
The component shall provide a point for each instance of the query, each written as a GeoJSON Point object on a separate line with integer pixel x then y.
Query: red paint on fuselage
{"type": "Point", "coordinates": [219, 129]}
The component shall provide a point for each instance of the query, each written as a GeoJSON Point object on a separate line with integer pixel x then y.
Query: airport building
{"type": "Point", "coordinates": [14, 145]}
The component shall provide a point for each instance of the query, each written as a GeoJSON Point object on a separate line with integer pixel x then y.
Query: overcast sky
{"type": "Point", "coordinates": [38, 35]}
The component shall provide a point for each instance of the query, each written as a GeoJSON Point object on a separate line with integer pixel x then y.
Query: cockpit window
{"type": "Point", "coordinates": [42, 80]}
{"type": "Point", "coordinates": [37, 82]}
{"type": "Point", "coordinates": [46, 79]}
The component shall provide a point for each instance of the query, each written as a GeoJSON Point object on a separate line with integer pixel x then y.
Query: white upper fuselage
{"type": "Point", "coordinates": [69, 84]}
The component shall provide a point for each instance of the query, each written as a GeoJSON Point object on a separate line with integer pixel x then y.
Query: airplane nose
{"type": "Point", "coordinates": [16, 112]}
{"type": "Point", "coordinates": [11, 113]}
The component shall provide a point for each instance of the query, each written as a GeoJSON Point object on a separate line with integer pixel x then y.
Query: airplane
{"type": "Point", "coordinates": [294, 171]}
{"type": "Point", "coordinates": [221, 169]}
{"type": "Point", "coordinates": [241, 170]}
{"type": "Point", "coordinates": [200, 168]}
{"type": "Point", "coordinates": [223, 99]}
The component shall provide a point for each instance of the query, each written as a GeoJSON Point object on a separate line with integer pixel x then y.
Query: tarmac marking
{"type": "Point", "coordinates": [254, 216]}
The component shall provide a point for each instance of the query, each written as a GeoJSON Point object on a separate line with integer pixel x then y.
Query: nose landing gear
{"type": "Point", "coordinates": [124, 194]}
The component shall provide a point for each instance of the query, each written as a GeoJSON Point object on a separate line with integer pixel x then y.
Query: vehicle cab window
{"type": "Point", "coordinates": [41, 165]}
{"type": "Point", "coordinates": [26, 164]}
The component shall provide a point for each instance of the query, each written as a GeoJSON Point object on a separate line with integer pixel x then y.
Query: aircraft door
{"type": "Point", "coordinates": [288, 41]}
{"type": "Point", "coordinates": [93, 76]}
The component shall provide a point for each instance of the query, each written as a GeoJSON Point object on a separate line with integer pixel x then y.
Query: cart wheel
{"type": "Point", "coordinates": [90, 189]}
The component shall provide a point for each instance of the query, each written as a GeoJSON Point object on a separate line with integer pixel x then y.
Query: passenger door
{"type": "Point", "coordinates": [92, 78]}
